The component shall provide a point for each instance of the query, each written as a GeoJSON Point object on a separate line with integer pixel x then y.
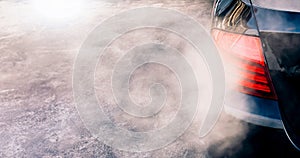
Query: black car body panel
{"type": "Point", "coordinates": [280, 34]}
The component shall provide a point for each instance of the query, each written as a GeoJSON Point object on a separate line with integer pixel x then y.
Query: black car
{"type": "Point", "coordinates": [259, 42]}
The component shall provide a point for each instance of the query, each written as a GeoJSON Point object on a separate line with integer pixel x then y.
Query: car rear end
{"type": "Point", "coordinates": [250, 94]}
{"type": "Point", "coordinates": [259, 41]}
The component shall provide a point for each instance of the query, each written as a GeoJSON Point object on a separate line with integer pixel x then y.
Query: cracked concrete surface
{"type": "Point", "coordinates": [38, 117]}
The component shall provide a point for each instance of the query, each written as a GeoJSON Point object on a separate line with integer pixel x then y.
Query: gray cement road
{"type": "Point", "coordinates": [38, 117]}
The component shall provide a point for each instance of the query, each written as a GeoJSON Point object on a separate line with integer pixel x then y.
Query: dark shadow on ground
{"type": "Point", "coordinates": [259, 142]}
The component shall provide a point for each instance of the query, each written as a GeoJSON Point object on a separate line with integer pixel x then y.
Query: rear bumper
{"type": "Point", "coordinates": [255, 110]}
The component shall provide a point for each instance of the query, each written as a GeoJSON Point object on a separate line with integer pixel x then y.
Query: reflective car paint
{"type": "Point", "coordinates": [280, 34]}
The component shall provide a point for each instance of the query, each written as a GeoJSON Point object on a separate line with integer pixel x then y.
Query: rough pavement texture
{"type": "Point", "coordinates": [38, 117]}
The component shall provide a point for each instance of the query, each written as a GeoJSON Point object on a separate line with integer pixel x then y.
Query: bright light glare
{"type": "Point", "coordinates": [58, 9]}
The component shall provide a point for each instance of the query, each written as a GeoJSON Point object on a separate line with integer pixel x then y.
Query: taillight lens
{"type": "Point", "coordinates": [244, 63]}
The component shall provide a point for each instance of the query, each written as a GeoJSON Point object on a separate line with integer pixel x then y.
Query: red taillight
{"type": "Point", "coordinates": [244, 63]}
